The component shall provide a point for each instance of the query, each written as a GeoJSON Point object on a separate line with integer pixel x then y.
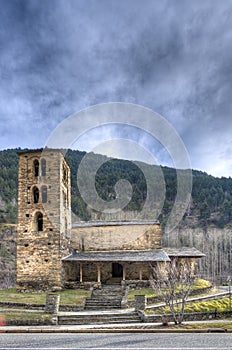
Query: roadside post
{"type": "Point", "coordinates": [229, 283]}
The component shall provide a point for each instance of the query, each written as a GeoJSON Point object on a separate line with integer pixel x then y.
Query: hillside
{"type": "Point", "coordinates": [211, 201]}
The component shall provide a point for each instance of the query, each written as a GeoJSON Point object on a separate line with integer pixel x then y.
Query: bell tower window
{"type": "Point", "coordinates": [35, 194]}
{"type": "Point", "coordinates": [44, 194]}
{"type": "Point", "coordinates": [43, 167]}
{"type": "Point", "coordinates": [36, 167]}
{"type": "Point", "coordinates": [39, 221]}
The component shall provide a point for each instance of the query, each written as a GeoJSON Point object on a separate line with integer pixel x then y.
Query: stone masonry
{"type": "Point", "coordinates": [51, 256]}
{"type": "Point", "coordinates": [44, 219]}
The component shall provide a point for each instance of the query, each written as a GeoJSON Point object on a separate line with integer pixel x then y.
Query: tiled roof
{"type": "Point", "coordinates": [132, 255]}
{"type": "Point", "coordinates": [184, 252]}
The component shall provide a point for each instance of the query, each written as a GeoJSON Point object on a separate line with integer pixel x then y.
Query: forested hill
{"type": "Point", "coordinates": [211, 201]}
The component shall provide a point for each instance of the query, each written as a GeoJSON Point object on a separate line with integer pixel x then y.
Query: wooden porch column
{"type": "Point", "coordinates": [81, 273]}
{"type": "Point", "coordinates": [123, 272]}
{"type": "Point", "coordinates": [99, 273]}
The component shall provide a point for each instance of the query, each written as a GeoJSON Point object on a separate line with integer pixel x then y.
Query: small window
{"type": "Point", "coordinates": [36, 167]}
{"type": "Point", "coordinates": [64, 199]}
{"type": "Point", "coordinates": [35, 194]}
{"type": "Point", "coordinates": [43, 167]}
{"type": "Point", "coordinates": [44, 194]}
{"type": "Point", "coordinates": [39, 221]}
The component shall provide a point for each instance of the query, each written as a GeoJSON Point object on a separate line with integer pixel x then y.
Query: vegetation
{"type": "Point", "coordinates": [173, 283]}
{"type": "Point", "coordinates": [26, 317]}
{"type": "Point", "coordinates": [150, 292]}
{"type": "Point", "coordinates": [210, 207]}
{"type": "Point", "coordinates": [214, 305]}
{"type": "Point", "coordinates": [211, 201]}
{"type": "Point", "coordinates": [67, 296]}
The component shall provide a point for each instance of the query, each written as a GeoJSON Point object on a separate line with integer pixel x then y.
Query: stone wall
{"type": "Point", "coordinates": [114, 237]}
{"type": "Point", "coordinates": [40, 249]}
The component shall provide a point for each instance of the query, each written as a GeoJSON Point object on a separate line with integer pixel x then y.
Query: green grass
{"type": "Point", "coordinates": [200, 283]}
{"type": "Point", "coordinates": [209, 305]}
{"type": "Point", "coordinates": [26, 316]}
{"type": "Point", "coordinates": [67, 296]}
{"type": "Point", "coordinates": [149, 292]}
{"type": "Point", "coordinates": [73, 296]}
{"type": "Point", "coordinates": [222, 304]}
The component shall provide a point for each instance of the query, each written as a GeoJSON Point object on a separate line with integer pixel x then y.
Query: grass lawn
{"type": "Point", "coordinates": [67, 296]}
{"type": "Point", "coordinates": [222, 304]}
{"type": "Point", "coordinates": [26, 317]}
{"type": "Point", "coordinates": [149, 292]}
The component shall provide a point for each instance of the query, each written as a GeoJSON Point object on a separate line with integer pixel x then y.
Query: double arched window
{"type": "Point", "coordinates": [36, 194]}
{"type": "Point", "coordinates": [36, 167]}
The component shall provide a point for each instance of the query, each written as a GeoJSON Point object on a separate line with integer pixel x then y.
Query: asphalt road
{"type": "Point", "coordinates": [116, 341]}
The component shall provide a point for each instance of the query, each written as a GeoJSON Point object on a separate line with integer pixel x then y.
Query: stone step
{"type": "Point", "coordinates": [102, 307]}
{"type": "Point", "coordinates": [103, 299]}
{"type": "Point", "coordinates": [108, 297]}
{"type": "Point", "coordinates": [99, 319]}
{"type": "Point", "coordinates": [111, 302]}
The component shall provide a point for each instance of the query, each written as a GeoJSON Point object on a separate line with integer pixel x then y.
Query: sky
{"type": "Point", "coordinates": [58, 57]}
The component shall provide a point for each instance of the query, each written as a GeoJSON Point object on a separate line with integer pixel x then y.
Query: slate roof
{"type": "Point", "coordinates": [188, 252]}
{"type": "Point", "coordinates": [111, 223]}
{"type": "Point", "coordinates": [132, 255]}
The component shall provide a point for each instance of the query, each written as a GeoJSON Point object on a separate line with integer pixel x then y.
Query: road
{"type": "Point", "coordinates": [115, 341]}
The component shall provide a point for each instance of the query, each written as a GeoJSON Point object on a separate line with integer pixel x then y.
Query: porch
{"type": "Point", "coordinates": [85, 269]}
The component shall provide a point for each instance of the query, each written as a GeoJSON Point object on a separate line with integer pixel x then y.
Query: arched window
{"type": "Point", "coordinates": [43, 166]}
{"type": "Point", "coordinates": [36, 167]}
{"type": "Point", "coordinates": [39, 221]}
{"type": "Point", "coordinates": [44, 194]}
{"type": "Point", "coordinates": [35, 194]}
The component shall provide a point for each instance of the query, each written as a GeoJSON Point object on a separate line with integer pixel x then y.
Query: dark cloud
{"type": "Point", "coordinates": [58, 57]}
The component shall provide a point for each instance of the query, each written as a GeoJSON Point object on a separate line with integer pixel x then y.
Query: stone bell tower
{"type": "Point", "coordinates": [44, 219]}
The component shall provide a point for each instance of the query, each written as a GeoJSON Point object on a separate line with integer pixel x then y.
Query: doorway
{"type": "Point", "coordinates": [117, 270]}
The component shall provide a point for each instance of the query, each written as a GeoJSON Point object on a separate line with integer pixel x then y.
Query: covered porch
{"type": "Point", "coordinates": [85, 269]}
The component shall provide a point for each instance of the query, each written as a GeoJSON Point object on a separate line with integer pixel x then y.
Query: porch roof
{"type": "Point", "coordinates": [123, 256]}
{"type": "Point", "coordinates": [184, 252]}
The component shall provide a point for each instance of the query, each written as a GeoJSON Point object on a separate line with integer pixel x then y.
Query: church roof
{"type": "Point", "coordinates": [122, 255]}
{"type": "Point", "coordinates": [111, 223]}
{"type": "Point", "coordinates": [184, 252]}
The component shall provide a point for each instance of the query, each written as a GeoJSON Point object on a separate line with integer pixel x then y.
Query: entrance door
{"type": "Point", "coordinates": [117, 270]}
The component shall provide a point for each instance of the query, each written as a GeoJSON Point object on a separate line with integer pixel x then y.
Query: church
{"type": "Point", "coordinates": [53, 254]}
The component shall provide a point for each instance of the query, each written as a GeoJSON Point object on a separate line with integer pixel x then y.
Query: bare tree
{"type": "Point", "coordinates": [173, 281]}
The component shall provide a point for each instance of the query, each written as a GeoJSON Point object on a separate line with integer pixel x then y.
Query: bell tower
{"type": "Point", "coordinates": [44, 219]}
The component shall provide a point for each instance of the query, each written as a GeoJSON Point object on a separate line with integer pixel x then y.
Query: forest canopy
{"type": "Point", "coordinates": [211, 200]}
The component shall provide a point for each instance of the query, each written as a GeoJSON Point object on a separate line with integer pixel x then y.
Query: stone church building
{"type": "Point", "coordinates": [52, 254]}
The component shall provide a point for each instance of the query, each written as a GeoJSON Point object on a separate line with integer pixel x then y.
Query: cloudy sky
{"type": "Point", "coordinates": [60, 56]}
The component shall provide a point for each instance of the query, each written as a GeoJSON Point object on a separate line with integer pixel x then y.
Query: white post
{"type": "Point", "coordinates": [81, 273]}
{"type": "Point", "coordinates": [123, 272]}
{"type": "Point", "coordinates": [99, 273]}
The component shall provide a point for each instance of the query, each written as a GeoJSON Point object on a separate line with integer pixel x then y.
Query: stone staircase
{"type": "Point", "coordinates": [108, 297]}
{"type": "Point", "coordinates": [94, 317]}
